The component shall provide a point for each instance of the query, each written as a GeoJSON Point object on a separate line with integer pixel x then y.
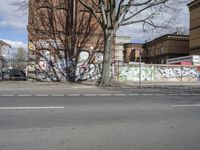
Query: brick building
{"type": "Point", "coordinates": [132, 52]}
{"type": "Point", "coordinates": [168, 46]}
{"type": "Point", "coordinates": [194, 8]}
{"type": "Point", "coordinates": [58, 31]}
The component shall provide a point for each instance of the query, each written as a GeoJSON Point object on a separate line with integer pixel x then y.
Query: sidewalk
{"type": "Point", "coordinates": [30, 85]}
{"type": "Point", "coordinates": [182, 85]}
{"type": "Point", "coordinates": [31, 88]}
{"type": "Point", "coordinates": [33, 85]}
{"type": "Point", "coordinates": [129, 84]}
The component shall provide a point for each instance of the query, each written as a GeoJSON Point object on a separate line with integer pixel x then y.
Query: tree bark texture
{"type": "Point", "coordinates": [106, 73]}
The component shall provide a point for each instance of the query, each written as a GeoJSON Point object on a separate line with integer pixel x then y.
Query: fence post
{"type": "Point", "coordinates": [140, 76]}
{"type": "Point", "coordinates": [118, 72]}
{"type": "Point", "coordinates": [151, 74]}
{"type": "Point", "coordinates": [181, 74]}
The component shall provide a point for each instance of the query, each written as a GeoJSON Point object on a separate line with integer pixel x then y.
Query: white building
{"type": "Point", "coordinates": [4, 49]}
{"type": "Point", "coordinates": [118, 50]}
{"type": "Point", "coordinates": [186, 60]}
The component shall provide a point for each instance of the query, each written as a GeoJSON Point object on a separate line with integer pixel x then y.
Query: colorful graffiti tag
{"type": "Point", "coordinates": [178, 72]}
{"type": "Point", "coordinates": [83, 56]}
{"type": "Point", "coordinates": [132, 73]}
{"type": "Point", "coordinates": [88, 71]}
{"type": "Point", "coordinates": [159, 73]}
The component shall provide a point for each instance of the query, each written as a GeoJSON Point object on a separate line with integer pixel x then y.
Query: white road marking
{"type": "Point", "coordinates": [119, 94]}
{"type": "Point", "coordinates": [173, 94]}
{"type": "Point", "coordinates": [191, 105]}
{"type": "Point", "coordinates": [7, 95]}
{"type": "Point", "coordinates": [104, 94]}
{"type": "Point", "coordinates": [24, 95]}
{"type": "Point", "coordinates": [159, 94]}
{"type": "Point", "coordinates": [42, 95]}
{"type": "Point", "coordinates": [89, 94]}
{"type": "Point", "coordinates": [147, 94]}
{"type": "Point", "coordinates": [132, 94]}
{"type": "Point", "coordinates": [57, 95]}
{"type": "Point", "coordinates": [30, 108]}
{"type": "Point", "coordinates": [73, 94]}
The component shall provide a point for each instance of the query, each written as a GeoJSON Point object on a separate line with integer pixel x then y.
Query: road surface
{"type": "Point", "coordinates": [123, 119]}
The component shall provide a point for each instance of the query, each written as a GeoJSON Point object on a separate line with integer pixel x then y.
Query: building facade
{"type": "Point", "coordinates": [119, 47]}
{"type": "Point", "coordinates": [59, 31]}
{"type": "Point", "coordinates": [132, 52]}
{"type": "Point", "coordinates": [194, 8]}
{"type": "Point", "coordinates": [186, 60]}
{"type": "Point", "coordinates": [4, 47]}
{"type": "Point", "coordinates": [168, 46]}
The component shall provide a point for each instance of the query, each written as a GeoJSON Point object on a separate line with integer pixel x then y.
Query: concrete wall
{"type": "Point", "coordinates": [86, 70]}
{"type": "Point", "coordinates": [149, 73]}
{"type": "Point", "coordinates": [159, 73]}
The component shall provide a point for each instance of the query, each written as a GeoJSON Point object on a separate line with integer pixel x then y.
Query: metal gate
{"type": "Point", "coordinates": [11, 69]}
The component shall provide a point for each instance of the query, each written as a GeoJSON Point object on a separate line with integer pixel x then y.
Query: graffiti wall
{"type": "Point", "coordinates": [178, 73]}
{"type": "Point", "coordinates": [87, 70]}
{"type": "Point", "coordinates": [159, 73]}
{"type": "Point", "coordinates": [130, 72]}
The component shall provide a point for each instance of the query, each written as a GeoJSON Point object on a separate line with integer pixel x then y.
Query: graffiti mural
{"type": "Point", "coordinates": [98, 57]}
{"type": "Point", "coordinates": [190, 72]}
{"type": "Point", "coordinates": [178, 72]}
{"type": "Point", "coordinates": [159, 73]}
{"type": "Point", "coordinates": [83, 56]}
{"type": "Point", "coordinates": [88, 71]}
{"type": "Point", "coordinates": [132, 73]}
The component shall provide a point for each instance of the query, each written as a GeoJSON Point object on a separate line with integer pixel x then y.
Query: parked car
{"type": "Point", "coordinates": [14, 74]}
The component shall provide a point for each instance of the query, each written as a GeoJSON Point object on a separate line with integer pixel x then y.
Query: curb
{"type": "Point", "coordinates": [156, 86]}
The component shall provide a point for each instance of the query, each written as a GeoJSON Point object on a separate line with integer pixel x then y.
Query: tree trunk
{"type": "Point", "coordinates": [106, 74]}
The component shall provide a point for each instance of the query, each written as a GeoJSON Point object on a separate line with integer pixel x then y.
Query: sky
{"type": "Point", "coordinates": [13, 25]}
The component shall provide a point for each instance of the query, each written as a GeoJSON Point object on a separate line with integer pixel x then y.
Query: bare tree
{"type": "Point", "coordinates": [111, 14]}
{"type": "Point", "coordinates": [20, 59]}
{"type": "Point", "coordinates": [59, 30]}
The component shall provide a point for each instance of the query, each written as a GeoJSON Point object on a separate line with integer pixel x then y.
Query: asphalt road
{"type": "Point", "coordinates": [164, 120]}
